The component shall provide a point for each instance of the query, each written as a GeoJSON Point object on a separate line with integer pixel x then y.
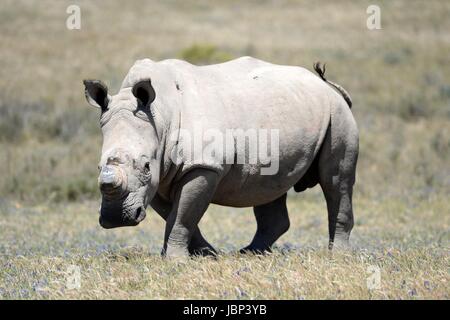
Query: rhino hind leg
{"type": "Point", "coordinates": [272, 221]}
{"type": "Point", "coordinates": [336, 169]}
{"type": "Point", "coordinates": [199, 246]}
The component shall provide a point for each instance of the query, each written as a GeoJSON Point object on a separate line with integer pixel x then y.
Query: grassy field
{"type": "Point", "coordinates": [407, 242]}
{"type": "Point", "coordinates": [399, 79]}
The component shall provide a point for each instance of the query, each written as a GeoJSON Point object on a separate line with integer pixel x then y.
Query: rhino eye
{"type": "Point", "coordinates": [147, 166]}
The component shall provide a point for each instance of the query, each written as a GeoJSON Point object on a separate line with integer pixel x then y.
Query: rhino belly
{"type": "Point", "coordinates": [244, 186]}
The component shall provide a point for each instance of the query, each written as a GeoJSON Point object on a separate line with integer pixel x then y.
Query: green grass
{"type": "Point", "coordinates": [201, 54]}
{"type": "Point", "coordinates": [50, 143]}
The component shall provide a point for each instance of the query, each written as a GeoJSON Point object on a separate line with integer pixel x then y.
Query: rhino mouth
{"type": "Point", "coordinates": [109, 223]}
{"type": "Point", "coordinates": [115, 214]}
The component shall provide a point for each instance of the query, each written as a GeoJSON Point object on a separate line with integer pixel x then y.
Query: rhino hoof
{"type": "Point", "coordinates": [255, 250]}
{"type": "Point", "coordinates": [203, 252]}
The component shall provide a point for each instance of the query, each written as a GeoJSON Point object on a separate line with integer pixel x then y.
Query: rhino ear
{"type": "Point", "coordinates": [96, 93]}
{"type": "Point", "coordinates": [143, 90]}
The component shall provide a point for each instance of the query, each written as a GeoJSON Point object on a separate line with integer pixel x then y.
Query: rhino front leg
{"type": "Point", "coordinates": [193, 195]}
{"type": "Point", "coordinates": [198, 244]}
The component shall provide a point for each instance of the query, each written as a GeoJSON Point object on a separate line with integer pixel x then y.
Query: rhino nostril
{"type": "Point", "coordinates": [140, 214]}
{"type": "Point", "coordinates": [147, 168]}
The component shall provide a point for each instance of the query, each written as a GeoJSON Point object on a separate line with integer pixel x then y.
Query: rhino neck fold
{"type": "Point", "coordinates": [169, 168]}
{"type": "Point", "coordinates": [169, 128]}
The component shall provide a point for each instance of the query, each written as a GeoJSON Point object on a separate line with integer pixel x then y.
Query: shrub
{"type": "Point", "coordinates": [204, 54]}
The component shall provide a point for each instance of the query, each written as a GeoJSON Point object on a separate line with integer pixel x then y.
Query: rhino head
{"type": "Point", "coordinates": [130, 160]}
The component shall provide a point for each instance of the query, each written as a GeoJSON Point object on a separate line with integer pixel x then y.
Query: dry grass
{"type": "Point", "coordinates": [409, 244]}
{"type": "Point", "coordinates": [50, 143]}
{"type": "Point", "coordinates": [397, 76]}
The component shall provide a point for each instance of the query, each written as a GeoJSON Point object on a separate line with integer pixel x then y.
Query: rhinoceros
{"type": "Point", "coordinates": [146, 160]}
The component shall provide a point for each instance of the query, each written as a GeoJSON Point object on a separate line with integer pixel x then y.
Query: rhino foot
{"type": "Point", "coordinates": [200, 247]}
{"type": "Point", "coordinates": [340, 244]}
{"type": "Point", "coordinates": [202, 251]}
{"type": "Point", "coordinates": [258, 250]}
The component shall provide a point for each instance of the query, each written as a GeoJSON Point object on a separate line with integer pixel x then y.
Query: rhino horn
{"type": "Point", "coordinates": [111, 178]}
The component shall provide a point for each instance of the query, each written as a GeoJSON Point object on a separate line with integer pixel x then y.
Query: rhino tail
{"type": "Point", "coordinates": [321, 72]}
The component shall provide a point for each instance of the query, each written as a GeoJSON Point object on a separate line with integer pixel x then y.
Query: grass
{"type": "Point", "coordinates": [398, 77]}
{"type": "Point", "coordinates": [202, 54]}
{"type": "Point", "coordinates": [50, 143]}
{"type": "Point", "coordinates": [39, 246]}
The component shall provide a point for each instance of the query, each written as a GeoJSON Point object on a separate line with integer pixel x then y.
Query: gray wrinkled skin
{"type": "Point", "coordinates": [318, 143]}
